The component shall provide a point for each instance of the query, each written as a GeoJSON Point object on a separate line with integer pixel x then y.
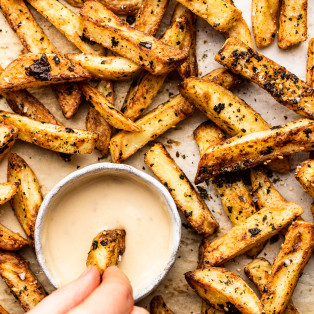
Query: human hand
{"type": "Point", "coordinates": [88, 295]}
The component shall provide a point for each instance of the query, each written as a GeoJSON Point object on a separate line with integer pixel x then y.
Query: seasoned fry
{"type": "Point", "coordinates": [264, 21]}
{"type": "Point", "coordinates": [129, 7]}
{"type": "Point", "coordinates": [76, 3]}
{"type": "Point", "coordinates": [11, 241]}
{"type": "Point", "coordinates": [7, 191]}
{"type": "Point", "coordinates": [284, 86]}
{"type": "Point", "coordinates": [184, 194]}
{"type": "Point", "coordinates": [3, 311]}
{"type": "Point", "coordinates": [158, 306]}
{"type": "Point", "coordinates": [224, 290]}
{"type": "Point", "coordinates": [288, 266]}
{"type": "Point", "coordinates": [34, 70]}
{"type": "Point", "coordinates": [8, 134]}
{"type": "Point", "coordinates": [223, 77]}
{"type": "Point", "coordinates": [220, 14]}
{"type": "Point", "coordinates": [21, 281]}
{"type": "Point", "coordinates": [103, 26]}
{"type": "Point", "coordinates": [305, 175]}
{"type": "Point", "coordinates": [310, 63]}
{"type": "Point", "coordinates": [49, 136]}
{"type": "Point", "coordinates": [106, 248]}
{"type": "Point", "coordinates": [242, 152]}
{"type": "Point", "coordinates": [292, 23]}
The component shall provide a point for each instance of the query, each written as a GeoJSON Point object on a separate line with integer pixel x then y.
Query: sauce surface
{"type": "Point", "coordinates": [108, 202]}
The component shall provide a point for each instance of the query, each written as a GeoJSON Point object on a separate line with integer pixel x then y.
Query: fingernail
{"type": "Point", "coordinates": [86, 271]}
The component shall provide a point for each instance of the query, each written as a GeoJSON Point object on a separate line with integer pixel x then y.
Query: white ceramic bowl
{"type": "Point", "coordinates": [117, 169]}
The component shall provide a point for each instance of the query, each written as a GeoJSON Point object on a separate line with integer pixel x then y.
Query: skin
{"type": "Point", "coordinates": [88, 294]}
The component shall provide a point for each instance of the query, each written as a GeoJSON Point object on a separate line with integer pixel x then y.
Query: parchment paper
{"type": "Point", "coordinates": [50, 169]}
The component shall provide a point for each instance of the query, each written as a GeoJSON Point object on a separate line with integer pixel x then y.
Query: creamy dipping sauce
{"type": "Point", "coordinates": [108, 202]}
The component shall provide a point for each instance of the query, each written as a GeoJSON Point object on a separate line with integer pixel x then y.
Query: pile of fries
{"type": "Point", "coordinates": [235, 139]}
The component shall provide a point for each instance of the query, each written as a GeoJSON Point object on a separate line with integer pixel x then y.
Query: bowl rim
{"type": "Point", "coordinates": [175, 219]}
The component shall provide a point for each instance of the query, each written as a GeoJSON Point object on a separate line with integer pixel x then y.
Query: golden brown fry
{"type": "Point", "coordinates": [8, 134]}
{"type": "Point", "coordinates": [305, 175]}
{"type": "Point", "coordinates": [158, 306]}
{"type": "Point", "coordinates": [21, 281]}
{"type": "Point", "coordinates": [264, 21]}
{"type": "Point", "coordinates": [292, 23]}
{"type": "Point", "coordinates": [284, 86]}
{"type": "Point", "coordinates": [50, 136]}
{"type": "Point", "coordinates": [288, 266]}
{"type": "Point", "coordinates": [129, 7]}
{"type": "Point", "coordinates": [3, 311]}
{"type": "Point", "coordinates": [223, 77]}
{"type": "Point", "coordinates": [11, 241]}
{"type": "Point", "coordinates": [7, 191]}
{"type": "Point", "coordinates": [103, 26]}
{"type": "Point", "coordinates": [184, 194]}
{"type": "Point", "coordinates": [76, 3]}
{"type": "Point", "coordinates": [106, 248]}
{"type": "Point", "coordinates": [310, 63]}
{"type": "Point", "coordinates": [224, 290]}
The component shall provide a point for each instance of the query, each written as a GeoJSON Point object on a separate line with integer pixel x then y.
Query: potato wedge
{"type": "Point", "coordinates": [21, 281]}
{"type": "Point", "coordinates": [264, 21]}
{"type": "Point", "coordinates": [129, 7]}
{"type": "Point", "coordinates": [34, 70]}
{"type": "Point", "coordinates": [7, 191]}
{"type": "Point", "coordinates": [254, 230]}
{"type": "Point", "coordinates": [184, 194]}
{"type": "Point", "coordinates": [158, 306]}
{"type": "Point", "coordinates": [49, 136]}
{"type": "Point", "coordinates": [292, 23]}
{"type": "Point", "coordinates": [8, 134]}
{"type": "Point", "coordinates": [305, 175]}
{"type": "Point", "coordinates": [103, 26]}
{"type": "Point", "coordinates": [288, 266]}
{"type": "Point", "coordinates": [27, 200]}
{"type": "Point", "coordinates": [284, 86]}
{"type": "Point", "coordinates": [220, 14]}
{"type": "Point", "coordinates": [106, 248]}
{"type": "Point", "coordinates": [242, 152]}
{"type": "Point", "coordinates": [224, 290]}
{"type": "Point", "coordinates": [310, 63]}
{"type": "Point", "coordinates": [11, 241]}
{"type": "Point", "coordinates": [76, 3]}
{"type": "Point", "coordinates": [3, 311]}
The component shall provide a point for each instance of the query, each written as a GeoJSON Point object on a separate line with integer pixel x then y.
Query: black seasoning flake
{"type": "Point", "coordinates": [40, 69]}
{"type": "Point", "coordinates": [181, 176]}
{"type": "Point", "coordinates": [254, 232]}
{"type": "Point", "coordinates": [87, 40]}
{"type": "Point", "coordinates": [114, 42]}
{"type": "Point", "coordinates": [70, 69]}
{"type": "Point", "coordinates": [307, 132]}
{"type": "Point", "coordinates": [146, 44]}
{"type": "Point", "coordinates": [103, 242]}
{"type": "Point", "coordinates": [56, 59]}
{"type": "Point", "coordinates": [19, 24]}
{"type": "Point", "coordinates": [95, 245]}
{"type": "Point", "coordinates": [203, 193]}
{"type": "Point", "coordinates": [267, 151]}
{"type": "Point", "coordinates": [69, 130]}
{"type": "Point", "coordinates": [218, 108]}
{"type": "Point", "coordinates": [187, 214]}
{"type": "Point", "coordinates": [130, 19]}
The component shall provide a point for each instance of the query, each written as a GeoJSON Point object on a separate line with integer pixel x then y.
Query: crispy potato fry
{"type": "Point", "coordinates": [34, 70]}
{"type": "Point", "coordinates": [158, 306]}
{"type": "Point", "coordinates": [11, 241]}
{"type": "Point", "coordinates": [103, 26]}
{"type": "Point", "coordinates": [223, 77]}
{"type": "Point", "coordinates": [27, 200]}
{"type": "Point", "coordinates": [224, 290]}
{"type": "Point", "coordinates": [256, 229]}
{"type": "Point", "coordinates": [8, 134]}
{"type": "Point", "coordinates": [288, 266]}
{"type": "Point", "coordinates": [310, 63]}
{"type": "Point", "coordinates": [284, 86]}
{"type": "Point", "coordinates": [76, 3]}
{"type": "Point", "coordinates": [129, 7]}
{"type": "Point", "coordinates": [242, 152]}
{"type": "Point", "coordinates": [220, 14]}
{"type": "Point", "coordinates": [106, 248]}
{"type": "Point", "coordinates": [305, 175]}
{"type": "Point", "coordinates": [50, 136]}
{"type": "Point", "coordinates": [3, 311]}
{"type": "Point", "coordinates": [264, 21]}
{"type": "Point", "coordinates": [292, 23]}
{"type": "Point", "coordinates": [7, 191]}
{"type": "Point", "coordinates": [21, 281]}
{"type": "Point", "coordinates": [184, 194]}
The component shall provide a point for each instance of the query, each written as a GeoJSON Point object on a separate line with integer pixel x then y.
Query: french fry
{"type": "Point", "coordinates": [158, 306]}
{"type": "Point", "coordinates": [305, 175]}
{"type": "Point", "coordinates": [3, 311]}
{"type": "Point", "coordinates": [224, 290]}
{"type": "Point", "coordinates": [50, 136]}
{"type": "Point", "coordinates": [76, 3]}
{"type": "Point", "coordinates": [103, 26]}
{"type": "Point", "coordinates": [288, 266]}
{"type": "Point", "coordinates": [247, 151]}
{"type": "Point", "coordinates": [21, 281]}
{"type": "Point", "coordinates": [8, 134]}
{"type": "Point", "coordinates": [223, 77]}
{"type": "Point", "coordinates": [34, 70]}
{"type": "Point", "coordinates": [129, 7]}
{"type": "Point", "coordinates": [220, 14]}
{"type": "Point", "coordinates": [7, 191]}
{"type": "Point", "coordinates": [11, 241]}
{"type": "Point", "coordinates": [310, 63]}
{"type": "Point", "coordinates": [264, 21]}
{"type": "Point", "coordinates": [292, 23]}
{"type": "Point", "coordinates": [284, 86]}
{"type": "Point", "coordinates": [106, 248]}
{"type": "Point", "coordinates": [184, 194]}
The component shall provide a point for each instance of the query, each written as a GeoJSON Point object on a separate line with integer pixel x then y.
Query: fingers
{"type": "Point", "coordinates": [139, 310]}
{"type": "Point", "coordinates": [69, 296]}
{"type": "Point", "coordinates": [114, 295]}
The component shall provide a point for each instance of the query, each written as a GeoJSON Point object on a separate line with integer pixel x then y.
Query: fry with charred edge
{"type": "Point", "coordinates": [284, 86]}
{"type": "Point", "coordinates": [7, 191]}
{"type": "Point", "coordinates": [305, 175]}
{"type": "Point", "coordinates": [224, 290]}
{"type": "Point", "coordinates": [220, 14]}
{"type": "Point", "coordinates": [247, 151]}
{"type": "Point", "coordinates": [264, 21]}
{"type": "Point", "coordinates": [103, 26]}
{"type": "Point", "coordinates": [76, 3]}
{"type": "Point", "coordinates": [184, 194]}
{"type": "Point", "coordinates": [310, 63]}
{"type": "Point", "coordinates": [158, 306]}
{"type": "Point", "coordinates": [106, 248]}
{"type": "Point", "coordinates": [228, 111]}
{"type": "Point", "coordinates": [11, 241]}
{"type": "Point", "coordinates": [21, 281]}
{"type": "Point", "coordinates": [8, 134]}
{"type": "Point", "coordinates": [292, 23]}
{"type": "Point", "coordinates": [35, 70]}
{"type": "Point", "coordinates": [129, 7]}
{"type": "Point", "coordinates": [50, 136]}
{"type": "Point", "coordinates": [27, 200]}
{"type": "Point", "coordinates": [258, 271]}
{"type": "Point", "coordinates": [288, 266]}
{"type": "Point", "coordinates": [256, 229]}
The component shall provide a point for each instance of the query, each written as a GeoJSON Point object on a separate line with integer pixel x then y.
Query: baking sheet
{"type": "Point", "coordinates": [50, 169]}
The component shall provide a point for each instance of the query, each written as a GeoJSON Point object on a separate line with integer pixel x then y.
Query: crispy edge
{"type": "Point", "coordinates": [310, 63]}
{"type": "Point", "coordinates": [10, 240]}
{"type": "Point", "coordinates": [75, 3]}
{"type": "Point", "coordinates": [8, 134]}
{"type": "Point", "coordinates": [7, 191]}
{"type": "Point", "coordinates": [129, 7]}
{"type": "Point", "coordinates": [305, 175]}
{"type": "Point", "coordinates": [159, 306]}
